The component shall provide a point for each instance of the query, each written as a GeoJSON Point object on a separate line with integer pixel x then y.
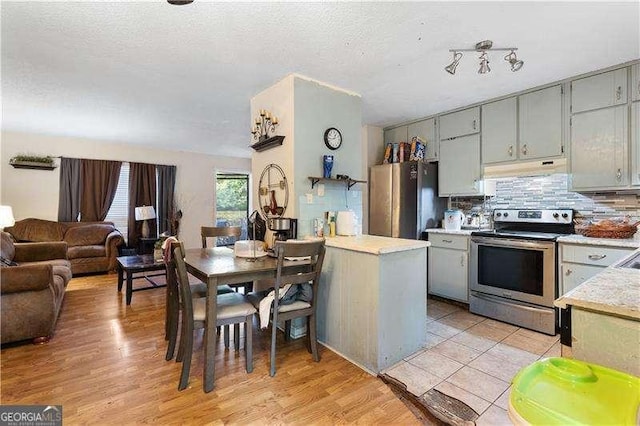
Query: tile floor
{"type": "Point", "coordinates": [473, 359]}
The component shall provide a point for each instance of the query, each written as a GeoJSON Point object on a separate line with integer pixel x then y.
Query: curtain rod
{"type": "Point", "coordinates": [122, 161]}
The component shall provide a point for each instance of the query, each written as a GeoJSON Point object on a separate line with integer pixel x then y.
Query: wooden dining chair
{"type": "Point", "coordinates": [314, 250]}
{"type": "Point", "coordinates": [221, 232]}
{"type": "Point", "coordinates": [232, 308]}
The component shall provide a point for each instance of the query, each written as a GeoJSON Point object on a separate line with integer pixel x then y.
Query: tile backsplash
{"type": "Point", "coordinates": [547, 192]}
{"type": "Point", "coordinates": [336, 197]}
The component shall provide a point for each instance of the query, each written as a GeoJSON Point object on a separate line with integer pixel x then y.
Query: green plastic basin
{"type": "Point", "coordinates": [562, 391]}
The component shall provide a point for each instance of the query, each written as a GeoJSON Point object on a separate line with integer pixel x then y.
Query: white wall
{"type": "Point", "coordinates": [278, 100]}
{"type": "Point", "coordinates": [34, 193]}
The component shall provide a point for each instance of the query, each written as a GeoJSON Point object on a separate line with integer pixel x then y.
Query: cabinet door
{"type": "Point", "coordinates": [499, 131]}
{"type": "Point", "coordinates": [599, 91]}
{"type": "Point", "coordinates": [425, 130]}
{"type": "Point", "coordinates": [460, 123]}
{"type": "Point", "coordinates": [635, 82]}
{"type": "Point", "coordinates": [599, 148]}
{"type": "Point", "coordinates": [459, 168]}
{"type": "Point", "coordinates": [574, 274]}
{"type": "Point", "coordinates": [540, 119]}
{"type": "Point", "coordinates": [395, 135]}
{"type": "Point", "coordinates": [448, 273]}
{"type": "Point", "coordinates": [635, 143]}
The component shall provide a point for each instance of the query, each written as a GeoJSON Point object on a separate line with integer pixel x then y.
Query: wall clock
{"type": "Point", "coordinates": [332, 138]}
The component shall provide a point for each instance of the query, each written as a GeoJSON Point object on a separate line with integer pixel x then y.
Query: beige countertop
{"type": "Point", "coordinates": [613, 291]}
{"type": "Point", "coordinates": [613, 242]}
{"type": "Point", "coordinates": [373, 244]}
{"type": "Point", "coordinates": [446, 231]}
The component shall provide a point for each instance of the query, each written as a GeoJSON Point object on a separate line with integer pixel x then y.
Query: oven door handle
{"type": "Point", "coordinates": [508, 242]}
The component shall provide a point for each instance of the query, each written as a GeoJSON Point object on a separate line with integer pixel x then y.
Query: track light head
{"type": "Point", "coordinates": [484, 64]}
{"type": "Point", "coordinates": [451, 68]}
{"type": "Point", "coordinates": [513, 60]}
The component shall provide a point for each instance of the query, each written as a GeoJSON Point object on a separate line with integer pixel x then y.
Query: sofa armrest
{"type": "Point", "coordinates": [114, 240]}
{"type": "Point", "coordinates": [15, 279]}
{"type": "Point", "coordinates": [34, 252]}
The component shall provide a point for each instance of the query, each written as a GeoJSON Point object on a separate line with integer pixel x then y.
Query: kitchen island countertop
{"type": "Point", "coordinates": [613, 291]}
{"type": "Point", "coordinates": [374, 244]}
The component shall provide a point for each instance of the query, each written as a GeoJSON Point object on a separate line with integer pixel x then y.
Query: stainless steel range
{"type": "Point", "coordinates": [512, 274]}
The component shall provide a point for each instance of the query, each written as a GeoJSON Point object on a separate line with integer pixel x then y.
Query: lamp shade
{"type": "Point", "coordinates": [6, 217]}
{"type": "Point", "coordinates": [145, 212]}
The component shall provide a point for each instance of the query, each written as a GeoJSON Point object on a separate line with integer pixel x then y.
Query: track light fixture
{"type": "Point", "coordinates": [483, 47]}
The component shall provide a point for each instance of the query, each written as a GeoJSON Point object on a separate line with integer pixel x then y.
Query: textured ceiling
{"type": "Point", "coordinates": [182, 77]}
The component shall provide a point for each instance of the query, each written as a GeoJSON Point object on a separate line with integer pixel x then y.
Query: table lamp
{"type": "Point", "coordinates": [145, 213]}
{"type": "Point", "coordinates": [6, 217]}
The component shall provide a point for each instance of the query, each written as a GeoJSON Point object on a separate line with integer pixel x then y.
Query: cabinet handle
{"type": "Point", "coordinates": [510, 150]}
{"type": "Point", "coordinates": [462, 260]}
{"type": "Point", "coordinates": [618, 93]}
{"type": "Point", "coordinates": [524, 149]}
{"type": "Point", "coordinates": [447, 241]}
{"type": "Point", "coordinates": [475, 124]}
{"type": "Point", "coordinates": [639, 87]}
{"type": "Point", "coordinates": [619, 175]}
{"type": "Point", "coordinates": [569, 272]}
{"type": "Point", "coordinates": [597, 256]}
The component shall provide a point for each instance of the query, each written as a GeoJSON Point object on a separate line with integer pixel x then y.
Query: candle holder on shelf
{"type": "Point", "coordinates": [265, 127]}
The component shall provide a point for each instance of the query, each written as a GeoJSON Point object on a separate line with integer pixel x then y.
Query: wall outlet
{"type": "Point", "coordinates": [321, 190]}
{"type": "Point", "coordinates": [309, 198]}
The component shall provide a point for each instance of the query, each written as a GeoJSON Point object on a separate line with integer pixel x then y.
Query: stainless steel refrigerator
{"type": "Point", "coordinates": [403, 199]}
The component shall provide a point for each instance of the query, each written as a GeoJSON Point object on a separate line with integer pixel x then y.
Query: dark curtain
{"type": "Point", "coordinates": [166, 187]}
{"type": "Point", "coordinates": [99, 185]}
{"type": "Point", "coordinates": [70, 189]}
{"type": "Point", "coordinates": [142, 192]}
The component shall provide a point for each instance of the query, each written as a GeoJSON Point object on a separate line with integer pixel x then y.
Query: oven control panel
{"type": "Point", "coordinates": [563, 216]}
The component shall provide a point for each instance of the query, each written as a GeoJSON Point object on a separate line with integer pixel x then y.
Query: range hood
{"type": "Point", "coordinates": [526, 168]}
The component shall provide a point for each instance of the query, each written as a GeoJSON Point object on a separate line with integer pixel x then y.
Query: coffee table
{"type": "Point", "coordinates": [130, 265]}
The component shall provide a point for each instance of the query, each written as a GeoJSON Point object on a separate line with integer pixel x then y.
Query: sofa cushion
{"type": "Point", "coordinates": [7, 250]}
{"type": "Point", "coordinates": [61, 267]}
{"type": "Point", "coordinates": [36, 230]}
{"type": "Point", "coordinates": [91, 234]}
{"type": "Point", "coordinates": [86, 251]}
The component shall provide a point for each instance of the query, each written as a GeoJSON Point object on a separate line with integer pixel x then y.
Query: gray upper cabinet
{"type": "Point", "coordinates": [459, 169]}
{"type": "Point", "coordinates": [540, 120]}
{"type": "Point", "coordinates": [599, 91]}
{"type": "Point", "coordinates": [499, 131]}
{"type": "Point", "coordinates": [635, 143]}
{"type": "Point", "coordinates": [395, 135]}
{"type": "Point", "coordinates": [425, 130]}
{"type": "Point", "coordinates": [599, 149]}
{"type": "Point", "coordinates": [461, 123]}
{"type": "Point", "coordinates": [635, 82]}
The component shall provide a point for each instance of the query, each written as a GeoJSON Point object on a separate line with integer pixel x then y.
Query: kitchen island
{"type": "Point", "coordinates": [605, 318]}
{"type": "Point", "coordinates": [372, 302]}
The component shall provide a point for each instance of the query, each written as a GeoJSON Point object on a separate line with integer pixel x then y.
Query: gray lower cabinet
{"type": "Point", "coordinates": [599, 149]}
{"type": "Point", "coordinates": [448, 271]}
{"type": "Point", "coordinates": [580, 262]}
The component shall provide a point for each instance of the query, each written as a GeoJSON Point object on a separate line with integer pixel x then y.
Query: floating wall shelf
{"type": "Point", "coordinates": [271, 142]}
{"type": "Point", "coordinates": [32, 165]}
{"type": "Point", "coordinates": [349, 182]}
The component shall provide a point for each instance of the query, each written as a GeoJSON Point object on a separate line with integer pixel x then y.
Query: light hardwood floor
{"type": "Point", "coordinates": [105, 365]}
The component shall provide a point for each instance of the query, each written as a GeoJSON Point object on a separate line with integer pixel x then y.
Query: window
{"type": "Point", "coordinates": [232, 202]}
{"type": "Point", "coordinates": [119, 210]}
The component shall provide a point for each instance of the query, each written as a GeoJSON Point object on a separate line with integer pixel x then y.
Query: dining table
{"type": "Point", "coordinates": [218, 266]}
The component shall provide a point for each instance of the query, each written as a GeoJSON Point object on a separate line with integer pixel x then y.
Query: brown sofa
{"type": "Point", "coordinates": [92, 246]}
{"type": "Point", "coordinates": [33, 278]}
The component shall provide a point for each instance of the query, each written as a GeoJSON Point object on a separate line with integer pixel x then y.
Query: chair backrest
{"type": "Point", "coordinates": [182, 279]}
{"type": "Point", "coordinates": [218, 231]}
{"type": "Point", "coordinates": [315, 249]}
